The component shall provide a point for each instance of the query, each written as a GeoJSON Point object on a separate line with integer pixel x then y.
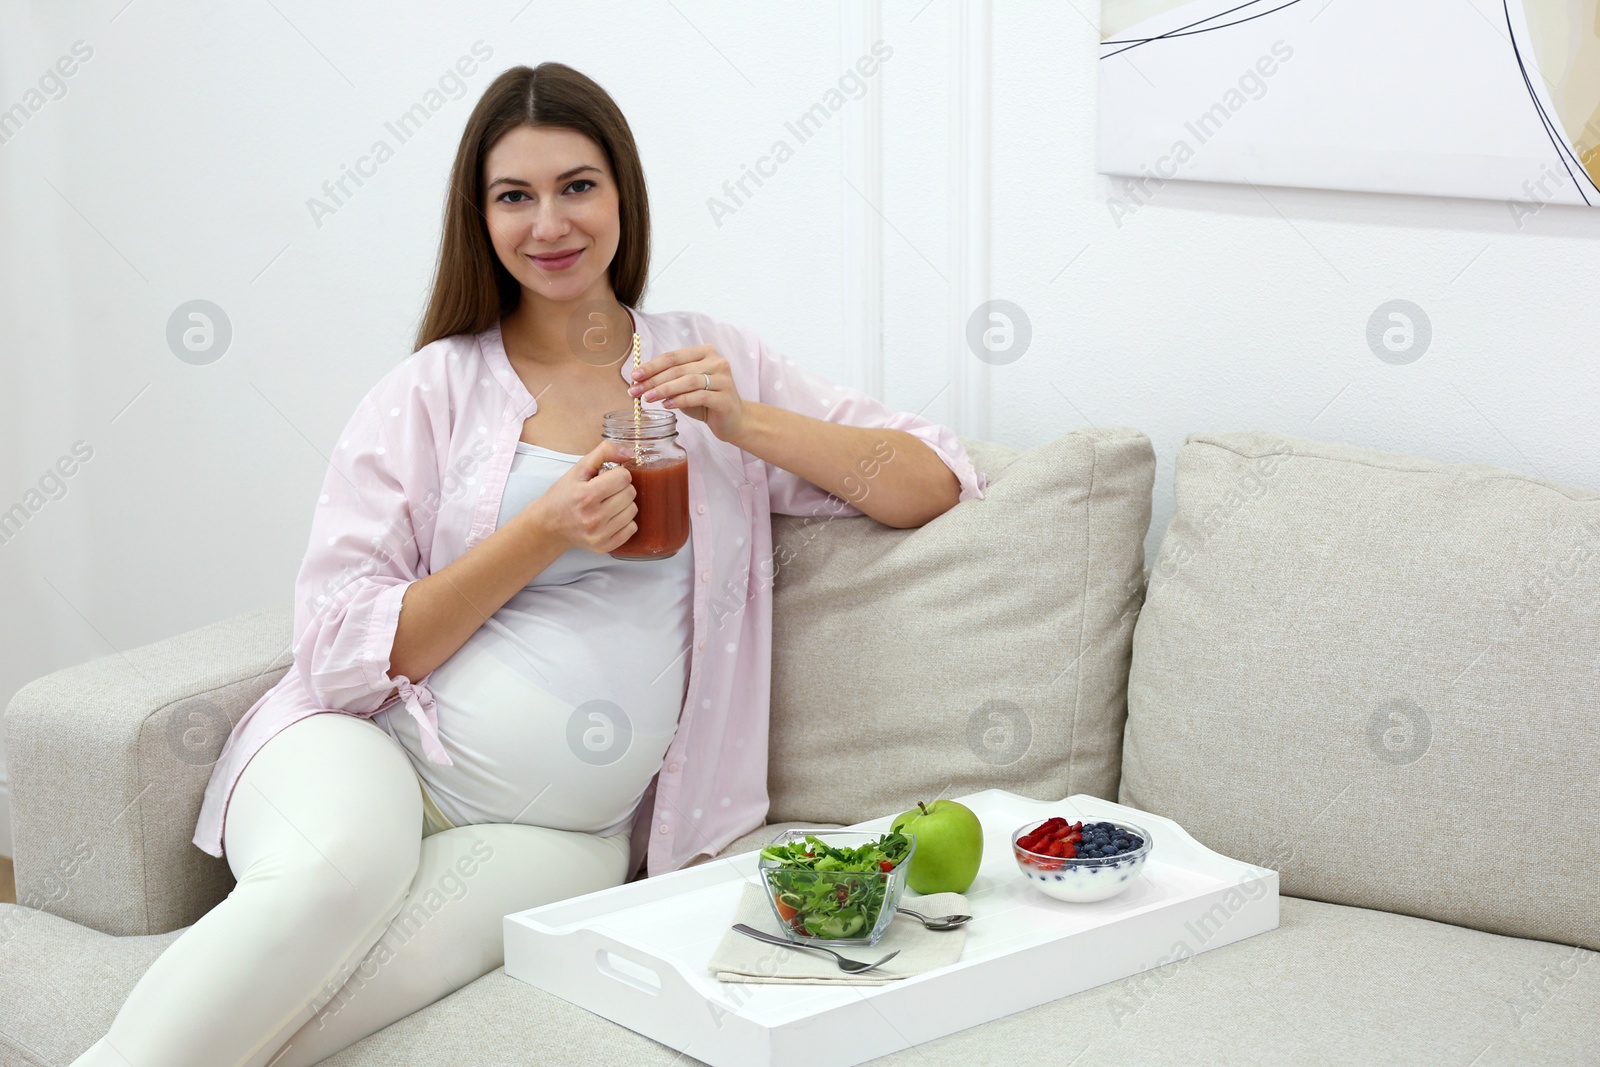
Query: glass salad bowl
{"type": "Point", "coordinates": [839, 886]}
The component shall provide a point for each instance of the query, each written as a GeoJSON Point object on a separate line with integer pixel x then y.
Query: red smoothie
{"type": "Point", "coordinates": [662, 497]}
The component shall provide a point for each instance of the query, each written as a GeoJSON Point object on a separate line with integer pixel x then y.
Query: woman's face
{"type": "Point", "coordinates": [551, 190]}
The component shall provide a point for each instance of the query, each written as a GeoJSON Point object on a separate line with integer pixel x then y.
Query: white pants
{"type": "Point", "coordinates": [352, 910]}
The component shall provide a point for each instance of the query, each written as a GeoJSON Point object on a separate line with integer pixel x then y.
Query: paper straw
{"type": "Point", "coordinates": [638, 409]}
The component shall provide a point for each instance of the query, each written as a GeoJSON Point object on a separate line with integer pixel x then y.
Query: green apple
{"type": "Point", "coordinates": [949, 846]}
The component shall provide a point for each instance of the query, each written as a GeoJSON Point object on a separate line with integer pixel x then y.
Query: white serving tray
{"type": "Point", "coordinates": [637, 953]}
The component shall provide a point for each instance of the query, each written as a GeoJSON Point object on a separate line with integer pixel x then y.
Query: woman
{"type": "Point", "coordinates": [522, 717]}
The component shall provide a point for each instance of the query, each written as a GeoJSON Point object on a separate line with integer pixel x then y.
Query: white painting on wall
{"type": "Point", "coordinates": [1498, 99]}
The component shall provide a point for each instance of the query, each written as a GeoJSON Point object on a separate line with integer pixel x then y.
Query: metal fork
{"type": "Point", "coordinates": [845, 964]}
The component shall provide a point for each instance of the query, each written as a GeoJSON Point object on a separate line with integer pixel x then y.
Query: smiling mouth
{"type": "Point", "coordinates": [557, 262]}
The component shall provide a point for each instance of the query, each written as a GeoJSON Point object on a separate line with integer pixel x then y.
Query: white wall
{"type": "Point", "coordinates": [179, 161]}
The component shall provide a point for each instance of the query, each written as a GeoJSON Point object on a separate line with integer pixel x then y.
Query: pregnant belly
{"type": "Point", "coordinates": [524, 755]}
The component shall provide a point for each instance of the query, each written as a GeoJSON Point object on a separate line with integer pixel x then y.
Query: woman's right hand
{"type": "Point", "coordinates": [588, 507]}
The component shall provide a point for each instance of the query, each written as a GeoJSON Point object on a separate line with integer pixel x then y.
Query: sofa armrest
{"type": "Point", "coordinates": [109, 762]}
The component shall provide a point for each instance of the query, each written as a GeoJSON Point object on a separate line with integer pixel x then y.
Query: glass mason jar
{"type": "Point", "coordinates": [659, 468]}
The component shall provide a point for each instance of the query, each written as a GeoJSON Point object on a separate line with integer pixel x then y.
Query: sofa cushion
{"type": "Point", "coordinates": [109, 761]}
{"type": "Point", "coordinates": [1332, 985]}
{"type": "Point", "coordinates": [1378, 675]}
{"type": "Point", "coordinates": [61, 984]}
{"type": "Point", "coordinates": [988, 648]}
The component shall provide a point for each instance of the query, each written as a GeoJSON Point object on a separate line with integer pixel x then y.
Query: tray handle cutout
{"type": "Point", "coordinates": [628, 972]}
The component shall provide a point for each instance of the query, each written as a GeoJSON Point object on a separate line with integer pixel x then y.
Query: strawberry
{"type": "Point", "coordinates": [1054, 830]}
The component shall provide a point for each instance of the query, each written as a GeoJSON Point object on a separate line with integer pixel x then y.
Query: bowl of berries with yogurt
{"type": "Point", "coordinates": [1080, 861]}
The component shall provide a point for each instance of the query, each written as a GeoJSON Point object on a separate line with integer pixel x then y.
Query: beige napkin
{"type": "Point", "coordinates": [740, 958]}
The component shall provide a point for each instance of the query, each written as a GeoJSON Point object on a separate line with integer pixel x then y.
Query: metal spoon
{"type": "Point", "coordinates": [852, 966]}
{"type": "Point", "coordinates": [939, 922]}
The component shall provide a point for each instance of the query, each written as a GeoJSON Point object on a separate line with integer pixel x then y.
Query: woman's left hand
{"type": "Point", "coordinates": [676, 379]}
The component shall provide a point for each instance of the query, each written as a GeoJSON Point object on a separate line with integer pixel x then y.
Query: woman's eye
{"type": "Point", "coordinates": [518, 192]}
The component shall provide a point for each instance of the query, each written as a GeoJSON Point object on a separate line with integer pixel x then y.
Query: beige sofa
{"type": "Point", "coordinates": [1377, 674]}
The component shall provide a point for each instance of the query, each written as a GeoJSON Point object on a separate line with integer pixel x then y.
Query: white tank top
{"type": "Point", "coordinates": [558, 709]}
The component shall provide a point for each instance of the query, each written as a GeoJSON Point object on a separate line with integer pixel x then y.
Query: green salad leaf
{"type": "Point", "coordinates": [829, 892]}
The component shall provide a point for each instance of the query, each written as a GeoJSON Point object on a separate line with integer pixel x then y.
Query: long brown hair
{"type": "Point", "coordinates": [471, 287]}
